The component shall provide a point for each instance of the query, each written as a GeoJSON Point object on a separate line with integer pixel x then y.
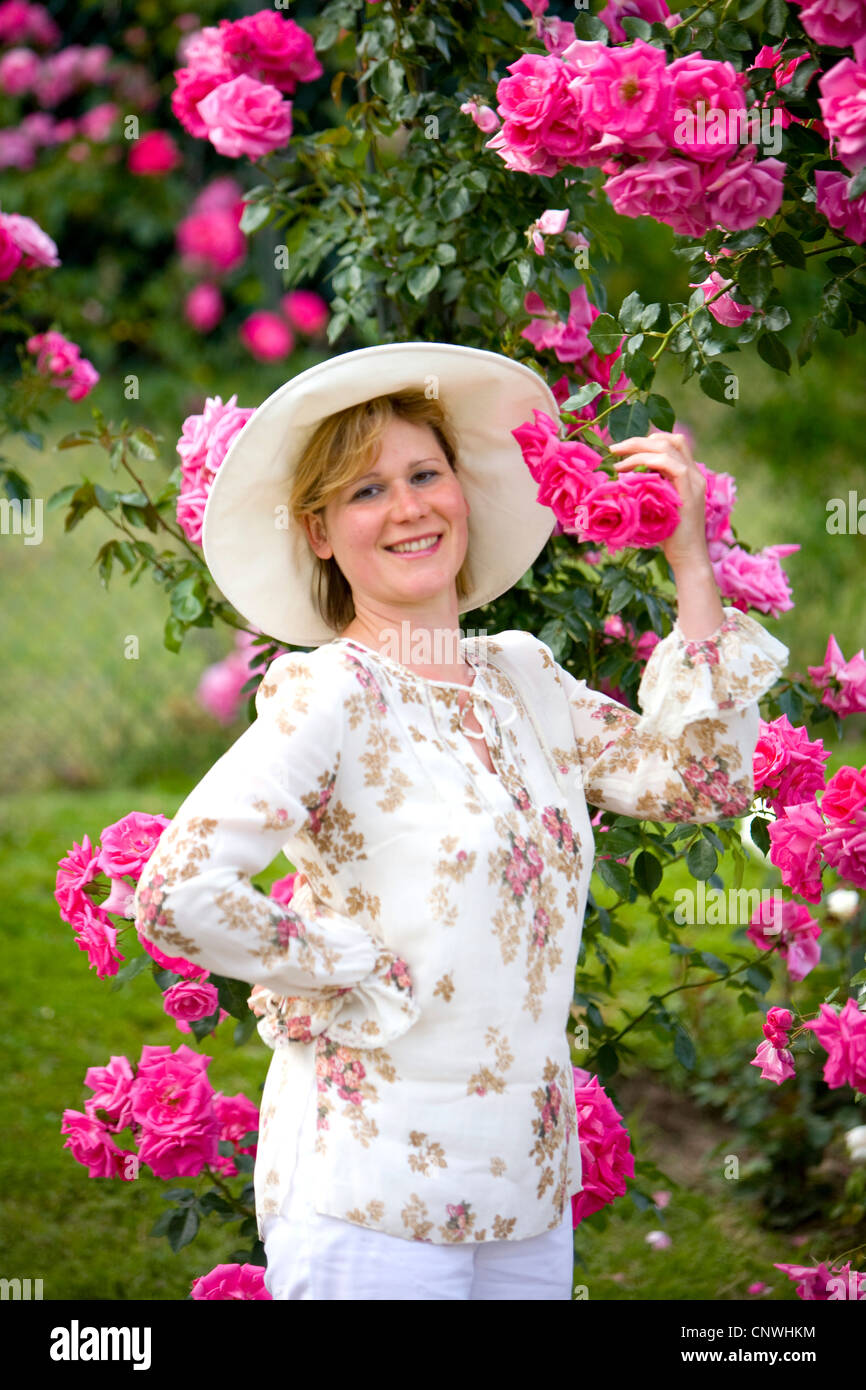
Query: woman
{"type": "Point", "coordinates": [418, 1135]}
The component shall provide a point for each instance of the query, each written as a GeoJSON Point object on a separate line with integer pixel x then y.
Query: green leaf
{"type": "Point", "coordinates": [701, 860]}
{"type": "Point", "coordinates": [648, 872]}
{"type": "Point", "coordinates": [182, 1228]}
{"type": "Point", "coordinates": [776, 16]}
{"type": "Point", "coordinates": [714, 963]}
{"type": "Point", "coordinates": [629, 419]}
{"type": "Point", "coordinates": [173, 633]}
{"type": "Point", "coordinates": [631, 311]}
{"type": "Point", "coordinates": [60, 498]}
{"type": "Point", "coordinates": [388, 81]}
{"type": "Point", "coordinates": [589, 26]}
{"type": "Point", "coordinates": [637, 28]}
{"type": "Point", "coordinates": [615, 875]}
{"type": "Point", "coordinates": [684, 1048]}
{"type": "Point", "coordinates": [788, 249]}
{"type": "Point", "coordinates": [583, 396]}
{"type": "Point", "coordinates": [755, 277]}
{"type": "Point", "coordinates": [715, 382]}
{"type": "Point", "coordinates": [773, 351]}
{"type": "Point", "coordinates": [454, 202]}
{"type": "Point", "coordinates": [660, 411]}
{"type": "Point", "coordinates": [254, 215]}
{"type": "Point", "coordinates": [605, 334]}
{"type": "Point", "coordinates": [759, 834]}
{"type": "Point", "coordinates": [422, 280]}
{"type": "Point", "coordinates": [759, 978]}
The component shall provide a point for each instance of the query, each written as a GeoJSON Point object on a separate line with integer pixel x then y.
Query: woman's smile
{"type": "Point", "coordinates": [423, 545]}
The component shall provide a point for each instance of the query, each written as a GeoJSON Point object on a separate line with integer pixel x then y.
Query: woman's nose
{"type": "Point", "coordinates": [406, 501]}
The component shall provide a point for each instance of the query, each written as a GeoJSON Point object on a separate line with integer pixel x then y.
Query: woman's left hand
{"type": "Point", "coordinates": [670, 454]}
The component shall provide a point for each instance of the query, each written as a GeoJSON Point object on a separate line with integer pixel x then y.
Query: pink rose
{"type": "Point", "coordinates": [96, 934]}
{"type": "Point", "coordinates": [776, 1063]}
{"type": "Point", "coordinates": [171, 1089]}
{"type": "Point", "coordinates": [792, 925]}
{"type": "Point", "coordinates": [306, 311]}
{"type": "Point", "coordinates": [541, 127]}
{"type": "Point", "coordinates": [788, 768]}
{"type": "Point", "coordinates": [207, 67]}
{"type": "Point", "coordinates": [90, 1143]}
{"type": "Point", "coordinates": [154, 153]}
{"type": "Point", "coordinates": [110, 1086]}
{"type": "Point", "coordinates": [795, 848]}
{"type": "Point", "coordinates": [606, 1159]}
{"type": "Point", "coordinates": [843, 106]}
{"type": "Point", "coordinates": [128, 843]}
{"type": "Point", "coordinates": [627, 92]}
{"type": "Point", "coordinates": [79, 867]}
{"type": "Point", "coordinates": [203, 307]}
{"type": "Point", "coordinates": [724, 309]}
{"type": "Point", "coordinates": [484, 117]}
{"type": "Point", "coordinates": [704, 121]}
{"type": "Point", "coordinates": [267, 336]}
{"type": "Point", "coordinates": [19, 69]}
{"type": "Point", "coordinates": [667, 189]}
{"type": "Point", "coordinates": [843, 682]}
{"type": "Point", "coordinates": [569, 340]}
{"type": "Point", "coordinates": [610, 513]}
{"type": "Point", "coordinates": [282, 890]}
{"type": "Point", "coordinates": [237, 1116]}
{"type": "Point", "coordinates": [190, 510]}
{"type": "Point", "coordinates": [210, 239]}
{"type": "Point", "coordinates": [843, 1036]}
{"type": "Point", "coordinates": [848, 216]}
{"type": "Point", "coordinates": [814, 1285]}
{"type": "Point", "coordinates": [659, 506]}
{"type": "Point", "coordinates": [754, 580]}
{"type": "Point", "coordinates": [219, 689]}
{"type": "Point", "coordinates": [10, 255]}
{"type": "Point", "coordinates": [740, 193]}
{"type": "Point", "coordinates": [836, 23]}
{"type": "Point", "coordinates": [719, 500]}
{"type": "Point", "coordinates": [96, 123]}
{"type": "Point", "coordinates": [845, 794]}
{"type": "Point", "coordinates": [181, 1153]}
{"type": "Point", "coordinates": [272, 48]}
{"type": "Point", "coordinates": [36, 246]}
{"type": "Point", "coordinates": [844, 849]}
{"type": "Point", "coordinates": [206, 438]}
{"type": "Point", "coordinates": [231, 1281]}
{"type": "Point", "coordinates": [191, 1000]}
{"type": "Point", "coordinates": [246, 117]}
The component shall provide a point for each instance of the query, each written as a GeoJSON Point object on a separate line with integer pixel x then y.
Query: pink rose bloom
{"type": "Point", "coordinates": [17, 151]}
{"type": "Point", "coordinates": [96, 123]}
{"type": "Point", "coordinates": [10, 254]}
{"type": "Point", "coordinates": [96, 934]}
{"type": "Point", "coordinates": [219, 689]}
{"type": "Point", "coordinates": [721, 495]}
{"type": "Point", "coordinates": [556, 34]}
{"type": "Point", "coordinates": [795, 929]}
{"type": "Point", "coordinates": [207, 67]}
{"type": "Point", "coordinates": [604, 1148]}
{"type": "Point", "coordinates": [832, 202]}
{"type": "Point", "coordinates": [176, 964]}
{"type": "Point", "coordinates": [569, 341]}
{"type": "Point", "coordinates": [222, 192]}
{"type": "Point", "coordinates": [267, 336]}
{"type": "Point", "coordinates": [237, 1116]}
{"type": "Point", "coordinates": [536, 7]}
{"type": "Point", "coordinates": [667, 189]}
{"type": "Point", "coordinates": [246, 117]}
{"type": "Point", "coordinates": [18, 71]}
{"type": "Point", "coordinates": [110, 1086]}
{"type": "Point", "coordinates": [844, 849]}
{"type": "Point", "coordinates": [484, 117]}
{"type": "Point", "coordinates": [564, 469]}
{"type": "Point", "coordinates": [795, 848]}
{"type": "Point", "coordinates": [615, 11]}
{"type": "Point", "coordinates": [724, 310]}
{"type": "Point", "coordinates": [19, 20]}
{"type": "Point", "coordinates": [767, 57]}
{"type": "Point", "coordinates": [787, 767]}
{"type": "Point", "coordinates": [609, 513]}
{"type": "Point", "coordinates": [232, 1281]}
{"type": "Point", "coordinates": [210, 239]}
{"type": "Point", "coordinates": [843, 682]}
{"type": "Point", "coordinates": [90, 1143]}
{"type": "Point", "coordinates": [79, 867]}
{"type": "Point", "coordinates": [550, 223]}
{"type": "Point", "coordinates": [61, 361]}
{"type": "Point", "coordinates": [191, 503]}
{"type": "Point", "coordinates": [845, 794]}
{"type": "Point", "coordinates": [836, 23]}
{"type": "Point", "coordinates": [776, 1063]}
{"type": "Point", "coordinates": [659, 506]}
{"type": "Point", "coordinates": [41, 128]}
{"type": "Point", "coordinates": [741, 192]}
{"type": "Point", "coordinates": [191, 1000]}
{"type": "Point", "coordinates": [542, 129]}
{"type": "Point", "coordinates": [181, 1153]}
{"type": "Point", "coordinates": [814, 1285]}
{"type": "Point", "coordinates": [754, 580]}
{"type": "Point", "coordinates": [843, 1036]}
{"type": "Point", "coordinates": [128, 843]}
{"type": "Point", "coordinates": [702, 88]}
{"type": "Point", "coordinates": [36, 246]}
{"type": "Point", "coordinates": [205, 438]}
{"type": "Point", "coordinates": [203, 307]}
{"type": "Point", "coordinates": [120, 899]}
{"type": "Point", "coordinates": [282, 890]}
{"type": "Point", "coordinates": [171, 1089]}
{"type": "Point", "coordinates": [272, 48]}
{"type": "Point", "coordinates": [843, 106]}
{"type": "Point", "coordinates": [154, 153]}
{"type": "Point", "coordinates": [627, 92]}
{"type": "Point", "coordinates": [646, 643]}
{"type": "Point", "coordinates": [306, 311]}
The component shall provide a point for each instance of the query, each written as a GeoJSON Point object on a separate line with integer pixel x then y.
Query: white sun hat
{"type": "Point", "coordinates": [260, 557]}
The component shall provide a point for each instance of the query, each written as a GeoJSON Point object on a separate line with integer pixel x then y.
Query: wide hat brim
{"type": "Point", "coordinates": [260, 557]}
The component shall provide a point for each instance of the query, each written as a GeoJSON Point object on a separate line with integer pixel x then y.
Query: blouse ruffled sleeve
{"type": "Point", "coordinates": [688, 755]}
{"type": "Point", "coordinates": [195, 897]}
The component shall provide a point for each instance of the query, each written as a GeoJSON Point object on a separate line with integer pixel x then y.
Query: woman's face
{"type": "Point", "coordinates": [410, 493]}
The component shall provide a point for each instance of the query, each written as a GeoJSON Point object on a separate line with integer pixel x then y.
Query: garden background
{"type": "Point", "coordinates": [91, 734]}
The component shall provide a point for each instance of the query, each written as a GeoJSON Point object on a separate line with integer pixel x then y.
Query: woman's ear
{"type": "Point", "coordinates": [315, 530]}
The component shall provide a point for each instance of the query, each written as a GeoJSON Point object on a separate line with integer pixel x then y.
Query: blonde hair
{"type": "Point", "coordinates": [343, 447]}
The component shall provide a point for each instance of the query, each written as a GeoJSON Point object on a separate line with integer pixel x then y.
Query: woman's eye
{"type": "Point", "coordinates": [371, 487]}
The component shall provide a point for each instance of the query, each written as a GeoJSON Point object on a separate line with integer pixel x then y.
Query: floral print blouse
{"type": "Point", "coordinates": [421, 977]}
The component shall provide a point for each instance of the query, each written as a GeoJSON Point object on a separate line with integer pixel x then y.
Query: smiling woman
{"type": "Point", "coordinates": [409, 437]}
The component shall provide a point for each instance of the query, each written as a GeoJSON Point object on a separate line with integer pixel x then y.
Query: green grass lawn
{"type": "Point", "coordinates": [89, 1238]}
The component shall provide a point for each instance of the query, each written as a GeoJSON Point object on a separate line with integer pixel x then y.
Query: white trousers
{"type": "Point", "coordinates": [322, 1257]}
